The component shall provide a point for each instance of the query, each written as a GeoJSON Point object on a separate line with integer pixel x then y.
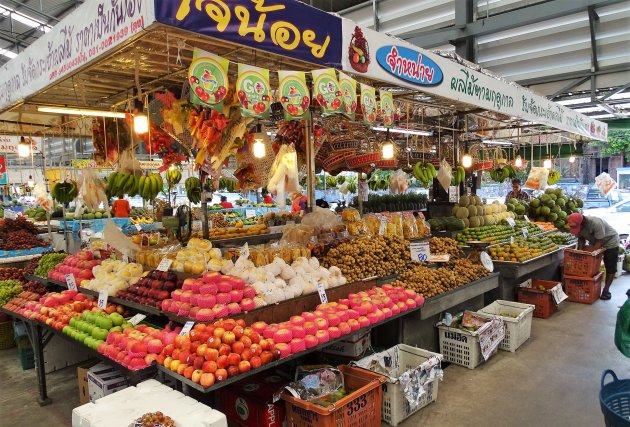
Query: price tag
{"type": "Point", "coordinates": [525, 232]}
{"type": "Point", "coordinates": [187, 327]}
{"type": "Point", "coordinates": [511, 221]}
{"type": "Point", "coordinates": [138, 227]}
{"type": "Point", "coordinates": [125, 257]}
{"type": "Point", "coordinates": [452, 194]}
{"type": "Point", "coordinates": [245, 251]}
{"type": "Point", "coordinates": [137, 319]}
{"type": "Point", "coordinates": [96, 253]}
{"type": "Point", "coordinates": [250, 213]}
{"type": "Point", "coordinates": [420, 251]}
{"type": "Point", "coordinates": [382, 227]}
{"type": "Point", "coordinates": [71, 282]}
{"type": "Point", "coordinates": [558, 294]}
{"type": "Point", "coordinates": [102, 299]}
{"type": "Point", "coordinates": [9, 214]}
{"type": "Point", "coordinates": [322, 293]}
{"type": "Point", "coordinates": [526, 218]}
{"type": "Point", "coordinates": [511, 240]}
{"type": "Point", "coordinates": [164, 265]}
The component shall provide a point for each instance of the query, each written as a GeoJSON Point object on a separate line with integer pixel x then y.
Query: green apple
{"type": "Point", "coordinates": [116, 319]}
{"type": "Point", "coordinates": [105, 323]}
{"type": "Point", "coordinates": [100, 333]}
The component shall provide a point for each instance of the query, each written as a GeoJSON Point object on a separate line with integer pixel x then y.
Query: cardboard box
{"type": "Point", "coordinates": [104, 380]}
{"type": "Point", "coordinates": [354, 346]}
{"type": "Point", "coordinates": [249, 403]}
{"type": "Point", "coordinates": [82, 371]}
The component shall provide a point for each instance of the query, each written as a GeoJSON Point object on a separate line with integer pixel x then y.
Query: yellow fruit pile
{"type": "Point", "coordinates": [444, 245]}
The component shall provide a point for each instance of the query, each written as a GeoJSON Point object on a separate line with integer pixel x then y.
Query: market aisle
{"type": "Point", "coordinates": [552, 380]}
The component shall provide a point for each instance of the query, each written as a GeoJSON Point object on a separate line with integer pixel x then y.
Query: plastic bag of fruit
{"type": "Point", "coordinates": [321, 219]}
{"type": "Point", "coordinates": [322, 386]}
{"type": "Point", "coordinates": [409, 226]}
{"type": "Point", "coordinates": [605, 184]}
{"type": "Point", "coordinates": [537, 179]}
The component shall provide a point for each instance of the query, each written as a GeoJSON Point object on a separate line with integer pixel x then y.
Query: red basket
{"type": "Point", "coordinates": [361, 408]}
{"type": "Point", "coordinates": [542, 300]}
{"type": "Point", "coordinates": [586, 290]}
{"type": "Point", "coordinates": [582, 263]}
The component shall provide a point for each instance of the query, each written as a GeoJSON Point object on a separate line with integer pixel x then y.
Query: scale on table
{"type": "Point", "coordinates": [178, 224]}
{"type": "Point", "coordinates": [479, 254]}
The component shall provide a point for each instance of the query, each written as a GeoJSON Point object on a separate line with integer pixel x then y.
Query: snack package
{"type": "Point", "coordinates": [605, 184]}
{"type": "Point", "coordinates": [299, 233]}
{"type": "Point", "coordinates": [424, 229]}
{"type": "Point", "coordinates": [444, 175]}
{"type": "Point", "coordinates": [537, 179]}
{"type": "Point", "coordinates": [350, 215]}
{"type": "Point", "coordinates": [410, 228]}
{"type": "Point", "coordinates": [372, 224]}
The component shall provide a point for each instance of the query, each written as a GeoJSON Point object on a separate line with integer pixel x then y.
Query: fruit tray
{"type": "Point", "coordinates": [495, 262]}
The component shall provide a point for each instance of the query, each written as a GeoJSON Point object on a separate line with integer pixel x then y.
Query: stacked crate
{"type": "Point", "coordinates": [582, 275]}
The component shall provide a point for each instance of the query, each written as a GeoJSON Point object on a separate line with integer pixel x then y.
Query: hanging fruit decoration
{"type": "Point", "coordinates": [65, 191]}
{"type": "Point", "coordinates": [173, 176]}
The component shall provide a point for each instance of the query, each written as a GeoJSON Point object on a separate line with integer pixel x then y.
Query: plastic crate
{"type": "Point", "coordinates": [585, 290]}
{"type": "Point", "coordinates": [582, 263]}
{"type": "Point", "coordinates": [517, 329]}
{"type": "Point", "coordinates": [404, 359]}
{"type": "Point", "coordinates": [620, 259]}
{"type": "Point", "coordinates": [361, 408]}
{"type": "Point", "coordinates": [544, 304]}
{"type": "Point", "coordinates": [27, 358]}
{"type": "Point", "coordinates": [6, 335]}
{"type": "Point", "coordinates": [460, 346]}
{"type": "Point", "coordinates": [614, 399]}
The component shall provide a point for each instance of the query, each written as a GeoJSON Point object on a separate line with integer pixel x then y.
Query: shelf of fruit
{"type": "Point", "coordinates": [215, 355]}
{"type": "Point", "coordinates": [523, 250]}
{"type": "Point", "coordinates": [552, 206]}
{"type": "Point", "coordinates": [495, 234]}
{"type": "Point", "coordinates": [563, 239]}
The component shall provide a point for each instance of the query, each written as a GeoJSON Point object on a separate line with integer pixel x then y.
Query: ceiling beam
{"type": "Point", "coordinates": [33, 13]}
{"type": "Point", "coordinates": [568, 87]}
{"type": "Point", "coordinates": [615, 92]}
{"type": "Point", "coordinates": [573, 75]}
{"type": "Point", "coordinates": [593, 19]}
{"type": "Point", "coordinates": [538, 12]}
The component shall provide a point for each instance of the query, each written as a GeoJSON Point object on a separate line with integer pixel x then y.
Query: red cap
{"type": "Point", "coordinates": [575, 222]}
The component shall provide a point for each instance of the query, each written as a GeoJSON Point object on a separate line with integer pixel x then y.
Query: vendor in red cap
{"type": "Point", "coordinates": [599, 234]}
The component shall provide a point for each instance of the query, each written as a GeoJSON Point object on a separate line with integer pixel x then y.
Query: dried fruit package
{"type": "Point", "coordinates": [284, 175]}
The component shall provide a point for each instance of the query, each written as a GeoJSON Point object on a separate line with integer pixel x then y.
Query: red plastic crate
{"type": "Point", "coordinates": [586, 290]}
{"type": "Point", "coordinates": [542, 300]}
{"type": "Point", "coordinates": [582, 263]}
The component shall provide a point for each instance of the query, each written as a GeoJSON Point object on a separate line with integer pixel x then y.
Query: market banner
{"type": "Point", "coordinates": [4, 176]}
{"type": "Point", "coordinates": [284, 27]}
{"type": "Point", "coordinates": [9, 143]}
{"type": "Point", "coordinates": [348, 94]}
{"type": "Point", "coordinates": [252, 90]}
{"type": "Point", "coordinates": [368, 104]}
{"type": "Point", "coordinates": [294, 94]}
{"type": "Point", "coordinates": [326, 91]}
{"type": "Point", "coordinates": [382, 57]}
{"type": "Point", "coordinates": [387, 108]}
{"type": "Point", "coordinates": [208, 79]}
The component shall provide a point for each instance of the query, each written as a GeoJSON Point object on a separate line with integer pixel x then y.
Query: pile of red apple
{"type": "Point", "coordinates": [213, 296]}
{"type": "Point", "coordinates": [136, 347]}
{"type": "Point", "coordinates": [20, 301]}
{"type": "Point", "coordinates": [80, 265]}
{"type": "Point", "coordinates": [57, 308]}
{"type": "Point", "coordinates": [152, 289]}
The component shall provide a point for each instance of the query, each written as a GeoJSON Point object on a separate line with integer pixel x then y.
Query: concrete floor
{"type": "Point", "coordinates": [552, 380]}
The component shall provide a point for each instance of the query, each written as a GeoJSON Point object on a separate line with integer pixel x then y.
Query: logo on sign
{"type": "Point", "coordinates": [410, 65]}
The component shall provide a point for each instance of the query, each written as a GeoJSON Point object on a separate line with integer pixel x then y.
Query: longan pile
{"type": "Point", "coordinates": [444, 245]}
{"type": "Point", "coordinates": [153, 419]}
{"type": "Point", "coordinates": [369, 256]}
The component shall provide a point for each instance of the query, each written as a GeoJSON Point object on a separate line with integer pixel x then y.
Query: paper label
{"type": "Point", "coordinates": [491, 337]}
{"type": "Point", "coordinates": [439, 258]}
{"type": "Point", "coordinates": [526, 218]}
{"type": "Point", "coordinates": [511, 221]}
{"type": "Point", "coordinates": [9, 214]}
{"type": "Point", "coordinates": [382, 227]}
{"type": "Point", "coordinates": [525, 232]}
{"type": "Point", "coordinates": [165, 264]}
{"type": "Point", "coordinates": [187, 327]}
{"type": "Point", "coordinates": [250, 213]}
{"type": "Point", "coordinates": [420, 251]}
{"type": "Point", "coordinates": [71, 282]}
{"type": "Point", "coordinates": [102, 299]}
{"type": "Point", "coordinates": [322, 293]}
{"type": "Point", "coordinates": [137, 319]}
{"type": "Point", "coordinates": [452, 194]}
{"type": "Point", "coordinates": [558, 294]}
{"type": "Point", "coordinates": [138, 227]}
{"type": "Point", "coordinates": [245, 251]}
{"type": "Point", "coordinates": [125, 258]}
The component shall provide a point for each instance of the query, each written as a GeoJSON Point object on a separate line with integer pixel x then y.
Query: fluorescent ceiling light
{"type": "Point", "coordinates": [7, 53]}
{"type": "Point", "coordinates": [602, 116]}
{"type": "Point", "coordinates": [587, 109]}
{"type": "Point", "coordinates": [497, 142]}
{"type": "Point", "coordinates": [24, 19]}
{"type": "Point", "coordinates": [404, 131]}
{"type": "Point", "coordinates": [573, 101]}
{"type": "Point", "coordinates": [622, 95]}
{"type": "Point", "coordinates": [81, 112]}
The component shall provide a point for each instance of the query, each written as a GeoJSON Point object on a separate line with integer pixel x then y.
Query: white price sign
{"type": "Point", "coordinates": [526, 218]}
{"type": "Point", "coordinates": [245, 251]}
{"type": "Point", "coordinates": [125, 257]}
{"type": "Point", "coordinates": [71, 282]}
{"type": "Point", "coordinates": [137, 319]}
{"type": "Point", "coordinates": [102, 300]}
{"type": "Point", "coordinates": [250, 213]}
{"type": "Point", "coordinates": [187, 327]}
{"type": "Point", "coordinates": [525, 232]}
{"type": "Point", "coordinates": [558, 294]}
{"type": "Point", "coordinates": [420, 251]}
{"type": "Point", "coordinates": [138, 227]}
{"type": "Point", "coordinates": [511, 240]}
{"type": "Point", "coordinates": [511, 221]}
{"type": "Point", "coordinates": [383, 226]}
{"type": "Point", "coordinates": [322, 293]}
{"type": "Point", "coordinates": [165, 264]}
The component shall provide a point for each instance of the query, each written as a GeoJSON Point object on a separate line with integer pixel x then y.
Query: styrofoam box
{"type": "Point", "coordinates": [101, 384]}
{"type": "Point", "coordinates": [354, 346]}
{"type": "Point", "coordinates": [517, 329]}
{"type": "Point", "coordinates": [121, 408]}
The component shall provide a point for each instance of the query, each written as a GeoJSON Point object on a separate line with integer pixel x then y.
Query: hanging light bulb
{"type": "Point", "coordinates": [572, 159]}
{"type": "Point", "coordinates": [260, 139]}
{"type": "Point", "coordinates": [172, 167]}
{"type": "Point", "coordinates": [547, 163]}
{"type": "Point", "coordinates": [30, 182]}
{"type": "Point", "coordinates": [518, 162]}
{"type": "Point", "coordinates": [467, 160]}
{"type": "Point", "coordinates": [388, 150]}
{"type": "Point", "coordinates": [24, 148]}
{"type": "Point", "coordinates": [140, 123]}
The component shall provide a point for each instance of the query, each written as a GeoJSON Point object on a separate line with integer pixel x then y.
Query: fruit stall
{"type": "Point", "coordinates": [189, 291]}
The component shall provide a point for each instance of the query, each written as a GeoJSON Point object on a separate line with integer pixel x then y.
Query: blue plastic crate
{"type": "Point", "coordinates": [614, 399]}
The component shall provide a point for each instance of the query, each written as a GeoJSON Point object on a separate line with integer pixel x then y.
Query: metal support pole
{"type": "Point", "coordinates": [310, 163]}
{"type": "Point", "coordinates": [38, 350]}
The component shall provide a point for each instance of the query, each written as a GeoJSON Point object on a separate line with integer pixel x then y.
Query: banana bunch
{"type": "Point", "coordinates": [501, 174]}
{"type": "Point", "coordinates": [150, 186]}
{"type": "Point", "coordinates": [424, 173]}
{"type": "Point", "coordinates": [141, 220]}
{"type": "Point", "coordinates": [458, 176]}
{"type": "Point", "coordinates": [511, 171]}
{"type": "Point", "coordinates": [193, 189]}
{"type": "Point", "coordinates": [173, 176]}
{"type": "Point", "coordinates": [553, 177]}
{"type": "Point", "coordinates": [64, 192]}
{"type": "Point", "coordinates": [120, 183]}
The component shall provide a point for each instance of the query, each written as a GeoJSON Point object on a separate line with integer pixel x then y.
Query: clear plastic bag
{"type": "Point", "coordinates": [321, 386]}
{"type": "Point", "coordinates": [537, 179]}
{"type": "Point", "coordinates": [605, 184]}
{"type": "Point", "coordinates": [444, 175]}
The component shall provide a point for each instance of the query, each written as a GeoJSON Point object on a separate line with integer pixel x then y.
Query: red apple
{"type": "Point", "coordinates": [222, 362]}
{"type": "Point", "coordinates": [209, 366]}
{"type": "Point", "coordinates": [244, 366]}
{"type": "Point", "coordinates": [233, 359]}
{"type": "Point", "coordinates": [211, 354]}
{"type": "Point", "coordinates": [196, 376]}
